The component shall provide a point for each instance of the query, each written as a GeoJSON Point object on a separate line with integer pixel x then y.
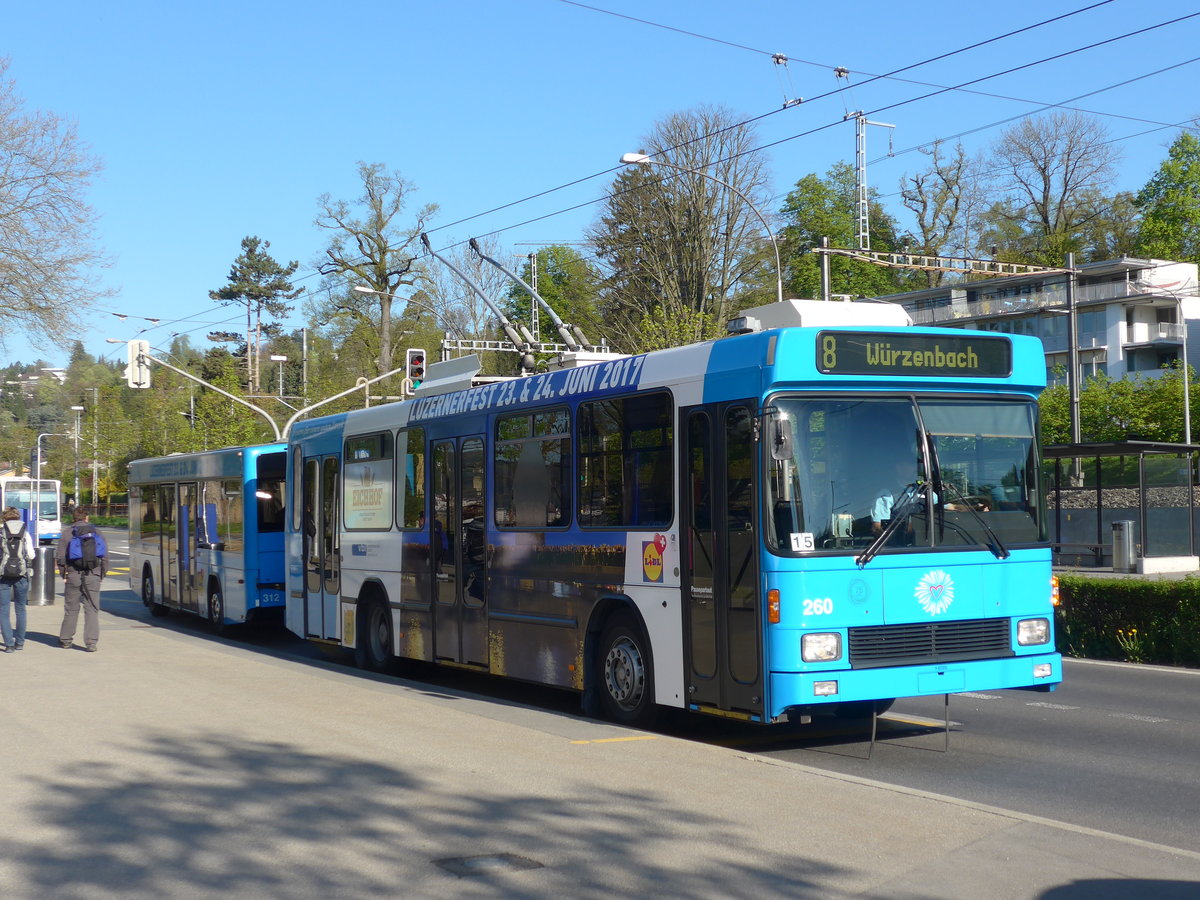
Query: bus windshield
{"type": "Point", "coordinates": [18, 494]}
{"type": "Point", "coordinates": [959, 472]}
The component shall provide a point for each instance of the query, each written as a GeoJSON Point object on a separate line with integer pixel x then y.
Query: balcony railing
{"type": "Point", "coordinates": [1155, 333]}
{"type": "Point", "coordinates": [1054, 297]}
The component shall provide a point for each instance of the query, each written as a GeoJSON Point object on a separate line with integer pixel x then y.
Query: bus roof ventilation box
{"type": "Point", "coordinates": [573, 359]}
{"type": "Point", "coordinates": [818, 313]}
{"type": "Point", "coordinates": [448, 375]}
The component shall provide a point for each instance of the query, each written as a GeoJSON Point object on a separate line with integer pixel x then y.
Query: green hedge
{"type": "Point", "coordinates": [110, 521]}
{"type": "Point", "coordinates": [1130, 619]}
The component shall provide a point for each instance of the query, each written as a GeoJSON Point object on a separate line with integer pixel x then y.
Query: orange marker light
{"type": "Point", "coordinates": [773, 606]}
{"type": "Point", "coordinates": [1054, 590]}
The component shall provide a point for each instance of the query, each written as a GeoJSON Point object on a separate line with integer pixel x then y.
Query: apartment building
{"type": "Point", "coordinates": [1133, 316]}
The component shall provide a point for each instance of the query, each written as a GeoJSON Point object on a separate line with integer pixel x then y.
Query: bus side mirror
{"type": "Point", "coordinates": [781, 439]}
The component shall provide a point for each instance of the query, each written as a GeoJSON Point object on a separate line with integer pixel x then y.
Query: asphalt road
{"type": "Point", "coordinates": [1115, 748]}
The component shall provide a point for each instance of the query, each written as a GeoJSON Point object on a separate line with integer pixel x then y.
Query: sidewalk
{"type": "Point", "coordinates": [171, 765]}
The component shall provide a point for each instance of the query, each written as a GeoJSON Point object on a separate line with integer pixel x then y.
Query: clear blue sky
{"type": "Point", "coordinates": [221, 119]}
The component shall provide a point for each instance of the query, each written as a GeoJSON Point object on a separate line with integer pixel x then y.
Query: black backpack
{"type": "Point", "coordinates": [14, 557]}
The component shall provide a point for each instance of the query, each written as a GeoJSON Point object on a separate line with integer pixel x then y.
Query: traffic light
{"type": "Point", "coordinates": [414, 366]}
{"type": "Point", "coordinates": [137, 373]}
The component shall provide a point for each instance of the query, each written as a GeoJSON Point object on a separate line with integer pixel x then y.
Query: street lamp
{"type": "Point", "coordinates": [78, 410]}
{"type": "Point", "coordinates": [642, 159]}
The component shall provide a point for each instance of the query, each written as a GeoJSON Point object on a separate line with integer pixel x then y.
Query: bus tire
{"type": "Point", "coordinates": [625, 673]}
{"type": "Point", "coordinates": [373, 648]}
{"type": "Point", "coordinates": [156, 608]}
{"type": "Point", "coordinates": [862, 709]}
{"type": "Point", "coordinates": [216, 609]}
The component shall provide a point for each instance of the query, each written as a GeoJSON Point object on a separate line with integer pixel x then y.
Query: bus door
{"type": "Point", "coordinates": [322, 546]}
{"type": "Point", "coordinates": [185, 521]}
{"type": "Point", "coordinates": [458, 553]}
{"type": "Point", "coordinates": [169, 560]}
{"type": "Point", "coordinates": [723, 622]}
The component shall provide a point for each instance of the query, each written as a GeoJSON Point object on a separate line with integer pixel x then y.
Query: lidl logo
{"type": "Point", "coordinates": [652, 559]}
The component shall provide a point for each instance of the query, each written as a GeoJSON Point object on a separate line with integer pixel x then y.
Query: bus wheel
{"type": "Point", "coordinates": [862, 709]}
{"type": "Point", "coordinates": [373, 649]}
{"type": "Point", "coordinates": [156, 609]}
{"type": "Point", "coordinates": [216, 610]}
{"type": "Point", "coordinates": [625, 674]}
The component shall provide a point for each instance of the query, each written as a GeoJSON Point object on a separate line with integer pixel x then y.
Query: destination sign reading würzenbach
{"type": "Point", "coordinates": [920, 355]}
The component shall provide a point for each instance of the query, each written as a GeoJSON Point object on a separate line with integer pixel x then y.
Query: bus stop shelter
{"type": "Point", "coordinates": [1130, 505]}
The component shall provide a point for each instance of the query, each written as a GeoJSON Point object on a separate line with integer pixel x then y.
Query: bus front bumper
{"type": "Point", "coordinates": [1042, 672]}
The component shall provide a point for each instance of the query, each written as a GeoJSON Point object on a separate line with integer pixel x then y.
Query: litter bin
{"type": "Point", "coordinates": [1124, 558]}
{"type": "Point", "coordinates": [41, 579]}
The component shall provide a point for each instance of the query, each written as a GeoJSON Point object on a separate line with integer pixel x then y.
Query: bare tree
{"type": "Point", "coordinates": [48, 252]}
{"type": "Point", "coordinates": [681, 242]}
{"type": "Point", "coordinates": [459, 307]}
{"type": "Point", "coordinates": [370, 247]}
{"type": "Point", "coordinates": [945, 198]}
{"type": "Point", "coordinates": [1052, 169]}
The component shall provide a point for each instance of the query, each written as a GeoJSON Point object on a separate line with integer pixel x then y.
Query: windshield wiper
{"type": "Point", "coordinates": [902, 510]}
{"type": "Point", "coordinates": [993, 542]}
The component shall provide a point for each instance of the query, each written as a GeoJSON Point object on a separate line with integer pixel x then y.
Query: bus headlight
{"type": "Point", "coordinates": [821, 647]}
{"type": "Point", "coordinates": [1033, 631]}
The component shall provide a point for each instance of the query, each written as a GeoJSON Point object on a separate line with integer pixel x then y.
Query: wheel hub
{"type": "Point", "coordinates": [624, 673]}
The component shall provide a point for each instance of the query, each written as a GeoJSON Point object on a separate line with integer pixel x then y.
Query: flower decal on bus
{"type": "Point", "coordinates": [935, 592]}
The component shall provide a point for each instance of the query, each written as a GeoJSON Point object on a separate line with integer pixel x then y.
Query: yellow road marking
{"type": "Point", "coordinates": [640, 737]}
{"type": "Point", "coordinates": [917, 720]}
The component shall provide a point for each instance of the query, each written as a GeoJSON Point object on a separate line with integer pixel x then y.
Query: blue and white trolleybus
{"type": "Point", "coordinates": [206, 533]}
{"type": "Point", "coordinates": [36, 499]}
{"type": "Point", "coordinates": [824, 511]}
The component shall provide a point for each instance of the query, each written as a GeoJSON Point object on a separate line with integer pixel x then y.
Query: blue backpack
{"type": "Point", "coordinates": [85, 549]}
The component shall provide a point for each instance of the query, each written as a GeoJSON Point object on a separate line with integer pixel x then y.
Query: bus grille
{"type": "Point", "coordinates": [907, 645]}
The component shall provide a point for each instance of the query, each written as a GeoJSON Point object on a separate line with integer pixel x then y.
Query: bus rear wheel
{"type": "Point", "coordinates": [216, 610]}
{"type": "Point", "coordinates": [373, 649]}
{"type": "Point", "coordinates": [156, 609]}
{"type": "Point", "coordinates": [625, 674]}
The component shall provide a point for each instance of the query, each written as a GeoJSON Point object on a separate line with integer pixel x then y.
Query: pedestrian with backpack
{"type": "Point", "coordinates": [17, 548]}
{"type": "Point", "coordinates": [82, 558]}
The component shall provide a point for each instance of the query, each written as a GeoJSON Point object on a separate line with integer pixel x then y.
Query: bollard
{"type": "Point", "coordinates": [41, 578]}
{"type": "Point", "coordinates": [1123, 555]}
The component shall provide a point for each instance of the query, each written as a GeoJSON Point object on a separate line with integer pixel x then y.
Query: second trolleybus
{"type": "Point", "coordinates": [36, 499]}
{"type": "Point", "coordinates": [826, 511]}
{"type": "Point", "coordinates": [206, 533]}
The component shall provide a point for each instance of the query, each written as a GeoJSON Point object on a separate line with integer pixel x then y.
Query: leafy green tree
{"type": "Point", "coordinates": [263, 288]}
{"type": "Point", "coordinates": [1114, 231]}
{"type": "Point", "coordinates": [568, 282]}
{"type": "Point", "coordinates": [1170, 204]}
{"type": "Point", "coordinates": [825, 207]}
{"type": "Point", "coordinates": [1119, 409]}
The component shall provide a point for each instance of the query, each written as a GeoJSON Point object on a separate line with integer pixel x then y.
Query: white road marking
{"type": "Point", "coordinates": [1153, 720]}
